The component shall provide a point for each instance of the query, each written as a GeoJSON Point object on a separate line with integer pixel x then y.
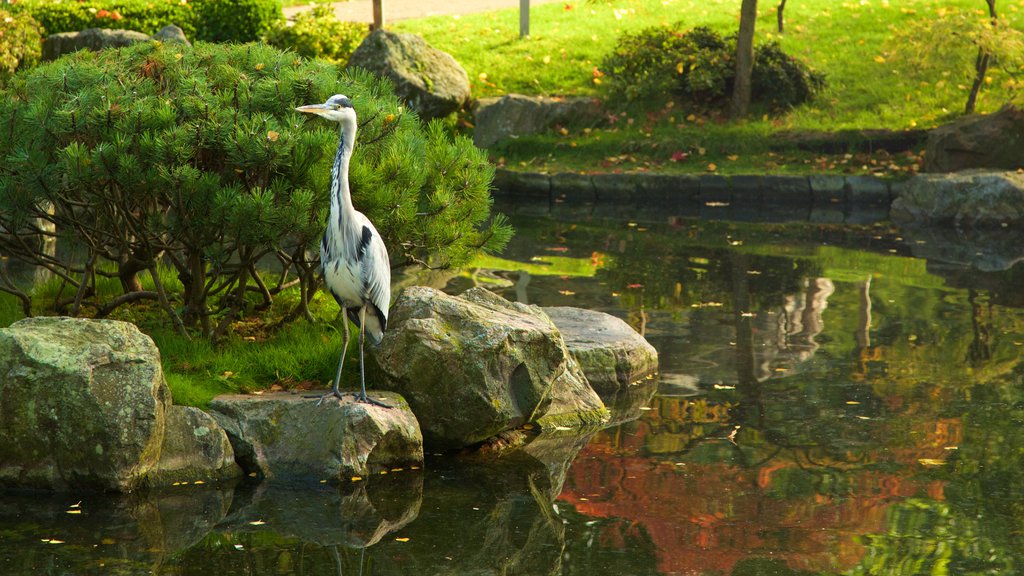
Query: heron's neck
{"type": "Point", "coordinates": [341, 196]}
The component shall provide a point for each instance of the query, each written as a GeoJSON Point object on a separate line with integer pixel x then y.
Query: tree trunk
{"type": "Point", "coordinates": [378, 14]}
{"type": "Point", "coordinates": [981, 63]}
{"type": "Point", "coordinates": [779, 17]}
{"type": "Point", "coordinates": [744, 60]}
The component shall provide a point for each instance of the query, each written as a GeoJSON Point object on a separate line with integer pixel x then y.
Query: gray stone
{"type": "Point", "coordinates": [610, 353]}
{"type": "Point", "coordinates": [533, 184]}
{"type": "Point", "coordinates": [866, 190]}
{"type": "Point", "coordinates": [572, 188]}
{"type": "Point", "coordinates": [966, 199]}
{"type": "Point", "coordinates": [194, 448]}
{"type": "Point", "coordinates": [286, 436]}
{"type": "Point", "coordinates": [515, 115]}
{"type": "Point", "coordinates": [787, 190]}
{"type": "Point", "coordinates": [57, 45]}
{"type": "Point", "coordinates": [747, 189]}
{"type": "Point", "coordinates": [171, 33]}
{"type": "Point", "coordinates": [714, 188]}
{"type": "Point", "coordinates": [433, 83]}
{"type": "Point", "coordinates": [828, 193]}
{"type": "Point", "coordinates": [477, 365]}
{"type": "Point", "coordinates": [82, 404]}
{"type": "Point", "coordinates": [993, 141]}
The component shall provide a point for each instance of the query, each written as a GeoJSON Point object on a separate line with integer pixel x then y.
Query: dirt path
{"type": "Point", "coordinates": [362, 10]}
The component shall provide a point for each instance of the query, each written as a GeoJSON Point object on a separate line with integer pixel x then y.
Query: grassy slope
{"type": "Point", "coordinates": [873, 82]}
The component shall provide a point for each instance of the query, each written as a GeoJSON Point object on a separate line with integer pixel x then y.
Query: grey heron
{"type": "Point", "coordinates": [356, 268]}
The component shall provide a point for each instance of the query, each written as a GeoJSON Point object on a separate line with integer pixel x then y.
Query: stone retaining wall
{"type": "Point", "coordinates": [819, 198]}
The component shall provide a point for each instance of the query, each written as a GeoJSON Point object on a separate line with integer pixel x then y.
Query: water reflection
{"type": "Point", "coordinates": [832, 401]}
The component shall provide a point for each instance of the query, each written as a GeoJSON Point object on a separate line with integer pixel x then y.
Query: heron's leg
{"type": "Point", "coordinates": [341, 362]}
{"type": "Point", "coordinates": [361, 396]}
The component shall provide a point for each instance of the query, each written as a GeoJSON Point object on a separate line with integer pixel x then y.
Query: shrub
{"type": "Point", "coordinates": [235, 20]}
{"type": "Point", "coordinates": [147, 16]}
{"type": "Point", "coordinates": [781, 80]}
{"type": "Point", "coordinates": [196, 157]}
{"type": "Point", "coordinates": [20, 43]}
{"type": "Point", "coordinates": [210, 20]}
{"type": "Point", "coordinates": [698, 66]}
{"type": "Point", "coordinates": [318, 33]}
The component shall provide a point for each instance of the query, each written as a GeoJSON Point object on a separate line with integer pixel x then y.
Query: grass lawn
{"type": "Point", "coordinates": [869, 51]}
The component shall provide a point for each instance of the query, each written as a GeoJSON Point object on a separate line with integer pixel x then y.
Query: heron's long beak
{"type": "Point", "coordinates": [318, 109]}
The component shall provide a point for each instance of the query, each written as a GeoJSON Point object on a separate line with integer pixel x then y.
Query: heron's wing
{"type": "Point", "coordinates": [376, 275]}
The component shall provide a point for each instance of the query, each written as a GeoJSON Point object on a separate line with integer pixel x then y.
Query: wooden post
{"type": "Point", "coordinates": [524, 18]}
{"type": "Point", "coordinates": [378, 14]}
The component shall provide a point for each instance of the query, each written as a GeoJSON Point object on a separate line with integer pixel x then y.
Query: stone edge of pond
{"type": "Point", "coordinates": [819, 198]}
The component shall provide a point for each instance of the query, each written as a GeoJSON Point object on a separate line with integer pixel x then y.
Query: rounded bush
{"type": "Point", "coordinates": [20, 43]}
{"type": "Point", "coordinates": [699, 66]}
{"type": "Point", "coordinates": [318, 33]}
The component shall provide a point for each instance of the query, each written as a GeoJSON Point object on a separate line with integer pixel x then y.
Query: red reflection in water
{"type": "Point", "coordinates": [705, 517]}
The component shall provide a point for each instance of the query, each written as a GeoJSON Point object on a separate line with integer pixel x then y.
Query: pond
{"type": "Point", "coordinates": [832, 400]}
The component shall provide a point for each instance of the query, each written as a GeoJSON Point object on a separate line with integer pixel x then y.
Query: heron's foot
{"type": "Point", "coordinates": [332, 394]}
{"type": "Point", "coordinates": [362, 397]}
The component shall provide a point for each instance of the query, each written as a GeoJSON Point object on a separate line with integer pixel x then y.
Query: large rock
{"type": "Point", "coordinates": [612, 355]}
{"type": "Point", "coordinates": [994, 141]}
{"type": "Point", "coordinates": [285, 436]}
{"type": "Point", "coordinates": [514, 115]}
{"type": "Point", "coordinates": [965, 199]}
{"type": "Point", "coordinates": [195, 448]}
{"type": "Point", "coordinates": [476, 365]}
{"type": "Point", "coordinates": [82, 404]}
{"type": "Point", "coordinates": [57, 45]}
{"type": "Point", "coordinates": [433, 83]}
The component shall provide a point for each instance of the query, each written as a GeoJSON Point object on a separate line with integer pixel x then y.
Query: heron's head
{"type": "Point", "coordinates": [338, 108]}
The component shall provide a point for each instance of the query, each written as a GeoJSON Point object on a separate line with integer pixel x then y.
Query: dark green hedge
{"type": "Point", "coordinates": [209, 20]}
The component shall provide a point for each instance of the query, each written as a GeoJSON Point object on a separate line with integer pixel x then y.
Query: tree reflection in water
{"type": "Point", "coordinates": [826, 406]}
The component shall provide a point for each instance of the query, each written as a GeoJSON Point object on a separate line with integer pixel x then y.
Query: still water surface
{"type": "Point", "coordinates": [831, 401]}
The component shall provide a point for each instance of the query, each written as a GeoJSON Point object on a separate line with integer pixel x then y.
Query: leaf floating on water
{"type": "Point", "coordinates": [357, 478]}
{"type": "Point", "coordinates": [76, 505]}
{"type": "Point", "coordinates": [401, 539]}
{"type": "Point", "coordinates": [257, 523]}
{"type": "Point", "coordinates": [930, 462]}
{"type": "Point", "coordinates": [723, 387]}
{"type": "Point", "coordinates": [239, 547]}
{"type": "Point", "coordinates": [73, 511]}
{"type": "Point", "coordinates": [951, 448]}
{"type": "Point", "coordinates": [53, 541]}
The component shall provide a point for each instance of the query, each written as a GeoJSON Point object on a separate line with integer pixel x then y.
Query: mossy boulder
{"type": "Point", "coordinates": [612, 355]}
{"type": "Point", "coordinates": [288, 437]}
{"type": "Point", "coordinates": [194, 448]}
{"type": "Point", "coordinates": [433, 82]}
{"type": "Point", "coordinates": [475, 365]}
{"type": "Point", "coordinates": [969, 199]}
{"type": "Point", "coordinates": [82, 404]}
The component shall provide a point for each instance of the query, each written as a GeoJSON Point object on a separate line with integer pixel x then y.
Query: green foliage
{"type": "Point", "coordinates": [318, 33]}
{"type": "Point", "coordinates": [951, 43]}
{"type": "Point", "coordinates": [235, 20]}
{"type": "Point", "coordinates": [210, 20]}
{"type": "Point", "coordinates": [196, 156]}
{"type": "Point", "coordinates": [698, 66]}
{"type": "Point", "coordinates": [20, 43]}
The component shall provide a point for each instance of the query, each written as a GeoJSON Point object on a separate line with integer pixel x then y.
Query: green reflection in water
{"type": "Point", "coordinates": [829, 403]}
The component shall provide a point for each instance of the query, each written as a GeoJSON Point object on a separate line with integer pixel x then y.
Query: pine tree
{"type": "Point", "coordinates": [195, 157]}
